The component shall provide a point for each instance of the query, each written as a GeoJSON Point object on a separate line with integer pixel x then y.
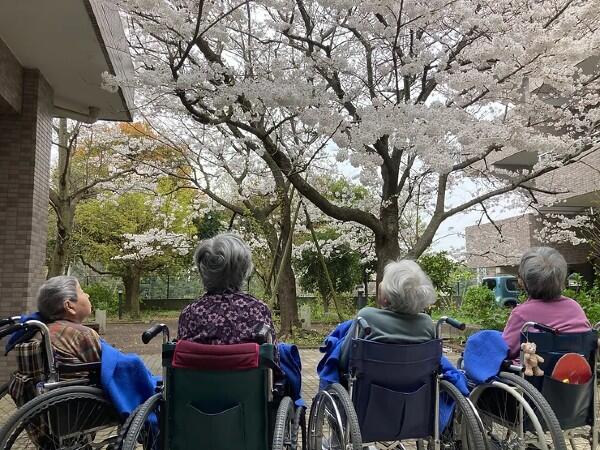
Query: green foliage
{"type": "Point", "coordinates": [317, 308]}
{"type": "Point", "coordinates": [588, 296]}
{"type": "Point", "coordinates": [210, 224]}
{"type": "Point", "coordinates": [479, 307]}
{"type": "Point", "coordinates": [439, 267]}
{"type": "Point", "coordinates": [343, 265]}
{"type": "Point", "coordinates": [102, 296]}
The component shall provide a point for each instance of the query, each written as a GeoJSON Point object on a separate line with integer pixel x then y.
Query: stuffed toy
{"type": "Point", "coordinates": [531, 361]}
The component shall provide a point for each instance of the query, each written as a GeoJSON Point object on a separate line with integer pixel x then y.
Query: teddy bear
{"type": "Point", "coordinates": [531, 361]}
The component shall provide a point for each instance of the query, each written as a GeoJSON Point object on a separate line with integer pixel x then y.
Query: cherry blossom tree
{"type": "Point", "coordinates": [417, 95]}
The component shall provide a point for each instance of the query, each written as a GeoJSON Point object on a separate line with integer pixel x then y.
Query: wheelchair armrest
{"type": "Point", "coordinates": [78, 367]}
{"type": "Point", "coordinates": [509, 366]}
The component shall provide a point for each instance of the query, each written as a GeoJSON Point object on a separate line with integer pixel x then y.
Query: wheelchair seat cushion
{"type": "Point", "coordinates": [191, 355]}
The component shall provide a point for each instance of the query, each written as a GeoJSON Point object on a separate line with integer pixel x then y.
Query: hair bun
{"type": "Point", "coordinates": [214, 261]}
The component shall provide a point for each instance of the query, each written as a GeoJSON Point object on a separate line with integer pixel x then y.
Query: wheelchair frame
{"type": "Point", "coordinates": [42, 412]}
{"type": "Point", "coordinates": [348, 423]}
{"type": "Point", "coordinates": [136, 422]}
{"type": "Point", "coordinates": [512, 381]}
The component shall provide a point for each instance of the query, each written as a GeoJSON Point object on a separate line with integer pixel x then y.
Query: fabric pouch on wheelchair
{"type": "Point", "coordinates": [217, 430]}
{"type": "Point", "coordinates": [570, 402]}
{"type": "Point", "coordinates": [397, 414]}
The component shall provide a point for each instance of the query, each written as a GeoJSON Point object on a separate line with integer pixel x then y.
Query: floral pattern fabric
{"type": "Point", "coordinates": [224, 318]}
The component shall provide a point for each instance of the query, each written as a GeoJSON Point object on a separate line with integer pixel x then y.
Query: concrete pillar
{"type": "Point", "coordinates": [25, 141]}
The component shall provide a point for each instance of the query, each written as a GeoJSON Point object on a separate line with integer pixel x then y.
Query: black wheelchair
{"type": "Point", "coordinates": [395, 392]}
{"type": "Point", "coordinates": [58, 406]}
{"type": "Point", "coordinates": [575, 405]}
{"type": "Point", "coordinates": [217, 397]}
{"type": "Point", "coordinates": [521, 412]}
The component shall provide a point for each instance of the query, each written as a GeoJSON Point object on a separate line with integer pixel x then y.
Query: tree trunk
{"type": "Point", "coordinates": [60, 254]}
{"type": "Point", "coordinates": [132, 292]}
{"type": "Point", "coordinates": [288, 305]}
{"type": "Point", "coordinates": [386, 249]}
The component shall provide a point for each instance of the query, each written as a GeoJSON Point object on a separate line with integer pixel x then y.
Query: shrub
{"type": "Point", "coordinates": [589, 299]}
{"type": "Point", "coordinates": [479, 307]}
{"type": "Point", "coordinates": [102, 297]}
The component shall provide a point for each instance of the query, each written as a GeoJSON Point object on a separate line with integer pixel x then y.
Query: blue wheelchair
{"type": "Point", "coordinates": [394, 392]}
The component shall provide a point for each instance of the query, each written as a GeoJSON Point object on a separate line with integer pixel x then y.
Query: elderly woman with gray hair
{"type": "Point", "coordinates": [64, 306]}
{"type": "Point", "coordinates": [404, 292]}
{"type": "Point", "coordinates": [543, 272]}
{"type": "Point", "coordinates": [224, 314]}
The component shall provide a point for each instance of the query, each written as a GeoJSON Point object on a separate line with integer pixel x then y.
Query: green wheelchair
{"type": "Point", "coordinates": [217, 397]}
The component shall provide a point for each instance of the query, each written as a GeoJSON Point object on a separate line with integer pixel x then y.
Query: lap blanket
{"type": "Point", "coordinates": [125, 379]}
{"type": "Point", "coordinates": [291, 366]}
{"type": "Point", "coordinates": [485, 351]}
{"type": "Point", "coordinates": [328, 368]}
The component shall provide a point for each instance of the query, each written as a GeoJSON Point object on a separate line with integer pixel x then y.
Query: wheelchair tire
{"type": "Point", "coordinates": [81, 417]}
{"type": "Point", "coordinates": [284, 435]}
{"type": "Point", "coordinates": [464, 426]}
{"type": "Point", "coordinates": [137, 433]}
{"type": "Point", "coordinates": [319, 413]}
{"type": "Point", "coordinates": [542, 410]}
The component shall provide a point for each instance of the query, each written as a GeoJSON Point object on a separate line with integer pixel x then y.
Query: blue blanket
{"type": "Point", "coordinates": [328, 368]}
{"type": "Point", "coordinates": [14, 338]}
{"type": "Point", "coordinates": [483, 356]}
{"type": "Point", "coordinates": [291, 365]}
{"type": "Point", "coordinates": [125, 379]}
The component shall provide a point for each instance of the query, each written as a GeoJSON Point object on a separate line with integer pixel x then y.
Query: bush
{"type": "Point", "coordinates": [589, 299]}
{"type": "Point", "coordinates": [102, 297]}
{"type": "Point", "coordinates": [479, 307]}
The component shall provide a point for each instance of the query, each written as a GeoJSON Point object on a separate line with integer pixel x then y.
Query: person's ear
{"type": "Point", "coordinates": [69, 310]}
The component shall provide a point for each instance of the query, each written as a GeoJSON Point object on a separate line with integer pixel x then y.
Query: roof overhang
{"type": "Point", "coordinates": [72, 42]}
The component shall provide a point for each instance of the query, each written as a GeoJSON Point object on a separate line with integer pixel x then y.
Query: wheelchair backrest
{"type": "Point", "coordinates": [573, 404]}
{"type": "Point", "coordinates": [218, 408]}
{"type": "Point", "coordinates": [394, 390]}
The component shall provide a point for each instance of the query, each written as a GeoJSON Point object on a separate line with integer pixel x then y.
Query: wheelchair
{"type": "Point", "coordinates": [519, 413]}
{"type": "Point", "coordinates": [395, 392]}
{"type": "Point", "coordinates": [573, 404]}
{"type": "Point", "coordinates": [61, 406]}
{"type": "Point", "coordinates": [217, 397]}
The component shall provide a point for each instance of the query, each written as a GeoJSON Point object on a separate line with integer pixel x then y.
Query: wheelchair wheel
{"type": "Point", "coordinates": [77, 417]}
{"type": "Point", "coordinates": [463, 430]}
{"type": "Point", "coordinates": [333, 424]}
{"type": "Point", "coordinates": [284, 435]}
{"type": "Point", "coordinates": [141, 433]}
{"type": "Point", "coordinates": [7, 405]}
{"type": "Point", "coordinates": [499, 411]}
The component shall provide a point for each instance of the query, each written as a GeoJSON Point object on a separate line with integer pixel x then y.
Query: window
{"type": "Point", "coordinates": [512, 284]}
{"type": "Point", "coordinates": [490, 283]}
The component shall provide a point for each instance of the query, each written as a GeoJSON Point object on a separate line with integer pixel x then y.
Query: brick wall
{"type": "Point", "coordinates": [25, 141]}
{"type": "Point", "coordinates": [487, 248]}
{"type": "Point", "coordinates": [11, 81]}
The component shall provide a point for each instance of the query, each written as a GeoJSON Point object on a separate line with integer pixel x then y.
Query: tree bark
{"type": "Point", "coordinates": [61, 253]}
{"type": "Point", "coordinates": [131, 280]}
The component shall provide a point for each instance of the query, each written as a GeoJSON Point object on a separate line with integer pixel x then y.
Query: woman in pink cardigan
{"type": "Point", "coordinates": [543, 272]}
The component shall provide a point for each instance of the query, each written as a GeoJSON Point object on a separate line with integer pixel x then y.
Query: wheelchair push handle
{"type": "Point", "coordinates": [539, 327]}
{"type": "Point", "coordinates": [262, 334]}
{"type": "Point", "coordinates": [450, 321]}
{"type": "Point", "coordinates": [154, 331]}
{"type": "Point", "coordinates": [9, 321]}
{"type": "Point", "coordinates": [10, 330]}
{"type": "Point", "coordinates": [362, 324]}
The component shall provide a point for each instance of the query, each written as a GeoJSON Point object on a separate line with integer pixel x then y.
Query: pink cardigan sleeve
{"type": "Point", "coordinates": [512, 333]}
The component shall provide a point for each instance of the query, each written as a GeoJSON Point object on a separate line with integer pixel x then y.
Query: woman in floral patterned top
{"type": "Point", "coordinates": [225, 314]}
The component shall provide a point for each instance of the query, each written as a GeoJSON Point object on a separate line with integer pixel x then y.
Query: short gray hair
{"type": "Point", "coordinates": [543, 271]}
{"type": "Point", "coordinates": [224, 262]}
{"type": "Point", "coordinates": [406, 287]}
{"type": "Point", "coordinates": [52, 295]}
